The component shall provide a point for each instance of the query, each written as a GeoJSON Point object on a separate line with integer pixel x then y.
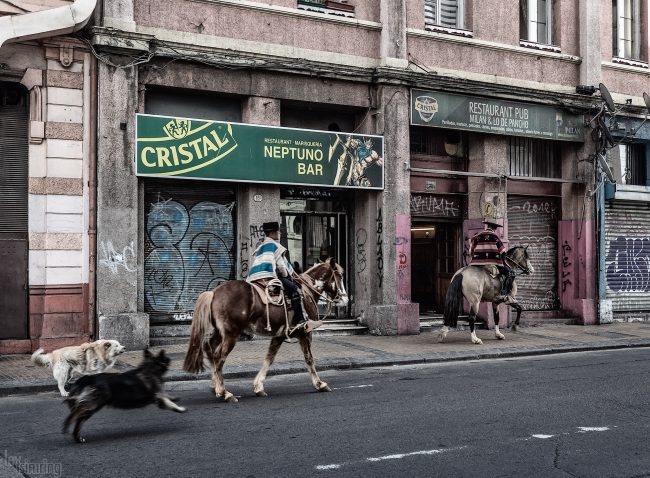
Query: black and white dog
{"type": "Point", "coordinates": [136, 388]}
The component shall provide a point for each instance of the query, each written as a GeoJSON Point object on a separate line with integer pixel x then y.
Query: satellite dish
{"type": "Point", "coordinates": [646, 98]}
{"type": "Point", "coordinates": [607, 98]}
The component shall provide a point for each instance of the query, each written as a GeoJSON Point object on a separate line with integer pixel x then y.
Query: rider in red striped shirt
{"type": "Point", "coordinates": [486, 248]}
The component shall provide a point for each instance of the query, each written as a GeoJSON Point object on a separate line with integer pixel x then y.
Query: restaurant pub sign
{"type": "Point", "coordinates": [216, 150]}
{"type": "Point", "coordinates": [489, 115]}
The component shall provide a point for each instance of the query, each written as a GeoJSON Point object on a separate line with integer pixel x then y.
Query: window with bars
{"type": "Point", "coordinates": [535, 21]}
{"type": "Point", "coordinates": [534, 158]}
{"type": "Point", "coordinates": [435, 142]}
{"type": "Point", "coordinates": [626, 29]}
{"type": "Point", "coordinates": [444, 13]}
{"type": "Point", "coordinates": [633, 164]}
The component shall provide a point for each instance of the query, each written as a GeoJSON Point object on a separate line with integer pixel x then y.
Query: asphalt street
{"type": "Point", "coordinates": [577, 414]}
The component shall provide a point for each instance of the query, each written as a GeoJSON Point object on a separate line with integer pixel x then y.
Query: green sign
{"type": "Point", "coordinates": [215, 150]}
{"type": "Point", "coordinates": [487, 115]}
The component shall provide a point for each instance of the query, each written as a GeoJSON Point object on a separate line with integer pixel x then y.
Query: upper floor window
{"type": "Point", "coordinates": [633, 164]}
{"type": "Point", "coordinates": [535, 21]}
{"type": "Point", "coordinates": [626, 28]}
{"type": "Point", "coordinates": [336, 7]}
{"type": "Point", "coordinates": [534, 157]}
{"type": "Point", "coordinates": [444, 13]}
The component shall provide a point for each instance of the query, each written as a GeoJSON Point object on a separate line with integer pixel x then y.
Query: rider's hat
{"type": "Point", "coordinates": [492, 222]}
{"type": "Point", "coordinates": [270, 227]}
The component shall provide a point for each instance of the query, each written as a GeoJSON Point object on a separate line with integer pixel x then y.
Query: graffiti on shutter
{"type": "Point", "coordinates": [189, 249]}
{"type": "Point", "coordinates": [533, 222]}
{"type": "Point", "coordinates": [627, 256]}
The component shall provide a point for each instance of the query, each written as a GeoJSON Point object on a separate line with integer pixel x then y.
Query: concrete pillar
{"type": "Point", "coordinates": [591, 31]}
{"type": "Point", "coordinates": [118, 243]}
{"type": "Point", "coordinates": [393, 48]}
{"type": "Point", "coordinates": [487, 198]}
{"type": "Point", "coordinates": [391, 311]}
{"type": "Point", "coordinates": [256, 204]}
{"type": "Point", "coordinates": [119, 14]}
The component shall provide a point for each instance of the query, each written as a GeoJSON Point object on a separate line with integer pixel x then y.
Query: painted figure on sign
{"type": "Point", "coordinates": [357, 157]}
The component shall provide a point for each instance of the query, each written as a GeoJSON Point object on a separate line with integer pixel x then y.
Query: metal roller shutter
{"type": "Point", "coordinates": [14, 246]}
{"type": "Point", "coordinates": [627, 255]}
{"type": "Point", "coordinates": [189, 244]}
{"type": "Point", "coordinates": [532, 221]}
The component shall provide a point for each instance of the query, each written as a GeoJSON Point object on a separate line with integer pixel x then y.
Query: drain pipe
{"type": "Point", "coordinates": [92, 200]}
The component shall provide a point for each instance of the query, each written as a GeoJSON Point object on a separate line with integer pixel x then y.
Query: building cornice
{"type": "Point", "coordinates": [488, 45]}
{"type": "Point", "coordinates": [222, 53]}
{"type": "Point", "coordinates": [294, 12]}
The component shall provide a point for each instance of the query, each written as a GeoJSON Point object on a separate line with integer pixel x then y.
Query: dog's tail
{"type": "Point", "coordinates": [201, 324]}
{"type": "Point", "coordinates": [40, 358]}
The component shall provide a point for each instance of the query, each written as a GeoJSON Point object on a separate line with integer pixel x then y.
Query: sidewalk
{"type": "Point", "coordinates": [19, 375]}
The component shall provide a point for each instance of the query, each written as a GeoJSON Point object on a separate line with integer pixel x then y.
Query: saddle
{"type": "Point", "coordinates": [271, 291]}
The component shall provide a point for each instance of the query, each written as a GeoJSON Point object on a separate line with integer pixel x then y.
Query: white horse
{"type": "Point", "coordinates": [476, 284]}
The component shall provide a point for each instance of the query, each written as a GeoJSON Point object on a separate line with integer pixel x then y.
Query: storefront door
{"type": "Point", "coordinates": [13, 211]}
{"type": "Point", "coordinates": [312, 232]}
{"type": "Point", "coordinates": [435, 251]}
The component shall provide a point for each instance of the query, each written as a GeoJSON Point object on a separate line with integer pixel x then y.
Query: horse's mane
{"type": "Point", "coordinates": [511, 250]}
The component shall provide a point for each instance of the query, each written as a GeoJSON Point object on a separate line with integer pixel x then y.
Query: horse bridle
{"type": "Point", "coordinates": [330, 301]}
{"type": "Point", "coordinates": [524, 270]}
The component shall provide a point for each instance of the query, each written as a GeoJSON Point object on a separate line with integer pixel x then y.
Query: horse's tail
{"type": "Point", "coordinates": [201, 324]}
{"type": "Point", "coordinates": [454, 301]}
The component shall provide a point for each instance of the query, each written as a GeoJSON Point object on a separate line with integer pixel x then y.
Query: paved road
{"type": "Point", "coordinates": [579, 414]}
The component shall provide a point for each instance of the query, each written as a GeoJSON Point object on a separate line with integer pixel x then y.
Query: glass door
{"type": "Point", "coordinates": [311, 237]}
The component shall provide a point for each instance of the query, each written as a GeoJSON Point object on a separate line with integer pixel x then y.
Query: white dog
{"type": "Point", "coordinates": [85, 359]}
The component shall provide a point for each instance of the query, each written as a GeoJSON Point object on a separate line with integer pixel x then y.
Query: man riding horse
{"type": "Point", "coordinates": [486, 249]}
{"type": "Point", "coordinates": [270, 262]}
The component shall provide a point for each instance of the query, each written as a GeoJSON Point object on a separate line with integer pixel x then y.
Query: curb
{"type": "Point", "coordinates": [20, 387]}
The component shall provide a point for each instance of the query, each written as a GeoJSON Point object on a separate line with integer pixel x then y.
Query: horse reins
{"type": "Point", "coordinates": [524, 270]}
{"type": "Point", "coordinates": [320, 294]}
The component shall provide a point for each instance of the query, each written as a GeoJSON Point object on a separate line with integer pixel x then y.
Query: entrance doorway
{"type": "Point", "coordinates": [313, 231]}
{"type": "Point", "coordinates": [435, 249]}
{"type": "Point", "coordinates": [14, 245]}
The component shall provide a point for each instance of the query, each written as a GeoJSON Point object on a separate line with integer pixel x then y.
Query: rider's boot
{"type": "Point", "coordinates": [300, 317]}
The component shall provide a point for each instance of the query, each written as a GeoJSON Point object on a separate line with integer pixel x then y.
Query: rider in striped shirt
{"type": "Point", "coordinates": [270, 262]}
{"type": "Point", "coordinates": [486, 248]}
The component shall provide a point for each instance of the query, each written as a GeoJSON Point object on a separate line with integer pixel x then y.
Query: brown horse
{"type": "Point", "coordinates": [233, 308]}
{"type": "Point", "coordinates": [476, 285]}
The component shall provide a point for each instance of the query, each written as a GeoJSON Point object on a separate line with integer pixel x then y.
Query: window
{"type": "Point", "coordinates": [534, 158]}
{"type": "Point", "coordinates": [535, 21]}
{"type": "Point", "coordinates": [336, 7]}
{"type": "Point", "coordinates": [633, 164]}
{"type": "Point", "coordinates": [435, 142]}
{"type": "Point", "coordinates": [626, 29]}
{"type": "Point", "coordinates": [444, 13]}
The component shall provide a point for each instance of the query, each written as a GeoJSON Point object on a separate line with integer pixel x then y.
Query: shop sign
{"type": "Point", "coordinates": [488, 115]}
{"type": "Point", "coordinates": [222, 151]}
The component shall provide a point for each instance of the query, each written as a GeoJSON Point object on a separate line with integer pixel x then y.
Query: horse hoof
{"type": "Point", "coordinates": [441, 339]}
{"type": "Point", "coordinates": [514, 327]}
{"type": "Point", "coordinates": [478, 342]}
{"type": "Point", "coordinates": [261, 393]}
{"type": "Point", "coordinates": [324, 388]}
{"type": "Point", "coordinates": [501, 337]}
{"type": "Point", "coordinates": [231, 399]}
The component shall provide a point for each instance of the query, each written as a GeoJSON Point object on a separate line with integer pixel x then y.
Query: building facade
{"type": "Point", "coordinates": [47, 186]}
{"type": "Point", "coordinates": [482, 109]}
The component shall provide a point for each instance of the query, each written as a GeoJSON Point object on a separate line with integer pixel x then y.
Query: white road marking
{"type": "Point", "coordinates": [593, 429]}
{"type": "Point", "coordinates": [543, 437]}
{"type": "Point", "coordinates": [397, 456]}
{"type": "Point", "coordinates": [353, 386]}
